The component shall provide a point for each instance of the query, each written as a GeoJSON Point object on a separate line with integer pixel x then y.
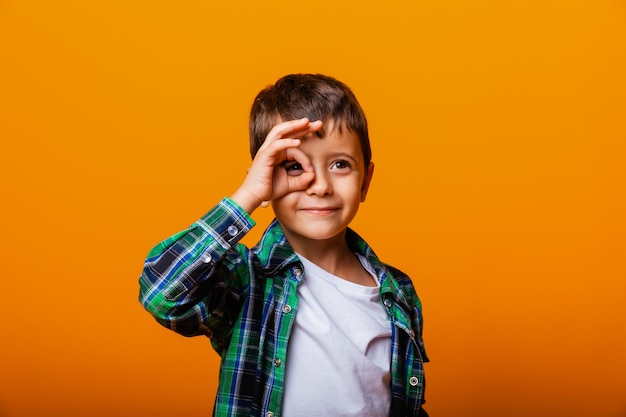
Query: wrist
{"type": "Point", "coordinates": [246, 200]}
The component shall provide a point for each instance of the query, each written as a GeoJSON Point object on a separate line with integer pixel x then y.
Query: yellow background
{"type": "Point", "coordinates": [498, 130]}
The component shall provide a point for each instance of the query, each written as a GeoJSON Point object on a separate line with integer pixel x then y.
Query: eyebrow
{"type": "Point", "coordinates": [343, 155]}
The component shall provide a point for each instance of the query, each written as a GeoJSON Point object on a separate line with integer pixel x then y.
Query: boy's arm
{"type": "Point", "coordinates": [186, 276]}
{"type": "Point", "coordinates": [178, 282]}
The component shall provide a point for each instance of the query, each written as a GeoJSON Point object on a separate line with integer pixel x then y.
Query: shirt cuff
{"type": "Point", "coordinates": [227, 223]}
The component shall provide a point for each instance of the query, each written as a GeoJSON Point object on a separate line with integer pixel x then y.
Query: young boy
{"type": "Point", "coordinates": [309, 321]}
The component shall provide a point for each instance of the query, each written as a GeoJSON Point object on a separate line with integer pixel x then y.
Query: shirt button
{"type": "Point", "coordinates": [414, 381]}
{"type": "Point", "coordinates": [207, 259]}
{"type": "Point", "coordinates": [286, 309]}
{"type": "Point", "coordinates": [232, 230]}
{"type": "Point", "coordinates": [297, 271]}
{"type": "Point", "coordinates": [277, 362]}
{"type": "Point", "coordinates": [269, 414]}
{"type": "Point", "coordinates": [387, 302]}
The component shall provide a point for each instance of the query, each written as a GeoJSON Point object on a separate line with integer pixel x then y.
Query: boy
{"type": "Point", "coordinates": [309, 321]}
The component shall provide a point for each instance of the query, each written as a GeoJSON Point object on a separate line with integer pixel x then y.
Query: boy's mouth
{"type": "Point", "coordinates": [319, 210]}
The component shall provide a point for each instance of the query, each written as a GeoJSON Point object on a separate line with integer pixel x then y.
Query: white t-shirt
{"type": "Point", "coordinates": [339, 352]}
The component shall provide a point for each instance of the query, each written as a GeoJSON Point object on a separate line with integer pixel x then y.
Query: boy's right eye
{"type": "Point", "coordinates": [293, 168]}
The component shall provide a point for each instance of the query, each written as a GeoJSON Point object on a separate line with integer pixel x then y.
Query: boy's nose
{"type": "Point", "coordinates": [321, 184]}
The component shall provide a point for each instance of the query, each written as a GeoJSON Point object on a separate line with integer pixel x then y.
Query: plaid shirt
{"type": "Point", "coordinates": [202, 282]}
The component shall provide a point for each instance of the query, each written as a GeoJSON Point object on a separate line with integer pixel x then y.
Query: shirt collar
{"type": "Point", "coordinates": [275, 253]}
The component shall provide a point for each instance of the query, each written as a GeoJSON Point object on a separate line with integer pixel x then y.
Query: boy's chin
{"type": "Point", "coordinates": [314, 234]}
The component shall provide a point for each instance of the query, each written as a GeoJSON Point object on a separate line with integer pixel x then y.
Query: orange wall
{"type": "Point", "coordinates": [498, 131]}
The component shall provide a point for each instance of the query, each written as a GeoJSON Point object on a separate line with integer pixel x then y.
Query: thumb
{"type": "Point", "coordinates": [301, 182]}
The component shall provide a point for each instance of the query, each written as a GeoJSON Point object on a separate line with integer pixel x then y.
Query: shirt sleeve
{"type": "Point", "coordinates": [187, 276]}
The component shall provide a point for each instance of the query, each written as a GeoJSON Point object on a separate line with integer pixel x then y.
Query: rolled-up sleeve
{"type": "Point", "coordinates": [177, 274]}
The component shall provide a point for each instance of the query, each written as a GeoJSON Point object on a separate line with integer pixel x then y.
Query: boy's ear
{"type": "Point", "coordinates": [367, 179]}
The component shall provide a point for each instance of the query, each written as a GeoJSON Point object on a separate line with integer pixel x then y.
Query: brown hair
{"type": "Point", "coordinates": [315, 96]}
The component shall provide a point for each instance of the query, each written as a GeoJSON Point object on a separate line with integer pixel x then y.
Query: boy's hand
{"type": "Point", "coordinates": [267, 178]}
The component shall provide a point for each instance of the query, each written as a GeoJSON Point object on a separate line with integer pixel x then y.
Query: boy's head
{"type": "Point", "coordinates": [314, 96]}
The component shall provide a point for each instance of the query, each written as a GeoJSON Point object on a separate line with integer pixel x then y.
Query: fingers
{"type": "Point", "coordinates": [296, 154]}
{"type": "Point", "coordinates": [297, 131]}
{"type": "Point", "coordinates": [295, 128]}
{"type": "Point", "coordinates": [291, 129]}
{"type": "Point", "coordinates": [299, 183]}
{"type": "Point", "coordinates": [285, 184]}
{"type": "Point", "coordinates": [268, 177]}
{"type": "Point", "coordinates": [278, 147]}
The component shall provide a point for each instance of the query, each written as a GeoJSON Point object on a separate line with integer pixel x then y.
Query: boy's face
{"type": "Point", "coordinates": [327, 206]}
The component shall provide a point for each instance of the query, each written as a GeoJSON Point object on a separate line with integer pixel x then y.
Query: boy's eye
{"type": "Point", "coordinates": [292, 168]}
{"type": "Point", "coordinates": [341, 164]}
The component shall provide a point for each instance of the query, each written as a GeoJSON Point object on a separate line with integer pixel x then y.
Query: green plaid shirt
{"type": "Point", "coordinates": [202, 282]}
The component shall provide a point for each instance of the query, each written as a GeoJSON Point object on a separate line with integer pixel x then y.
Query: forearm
{"type": "Point", "coordinates": [246, 200]}
{"type": "Point", "coordinates": [176, 283]}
